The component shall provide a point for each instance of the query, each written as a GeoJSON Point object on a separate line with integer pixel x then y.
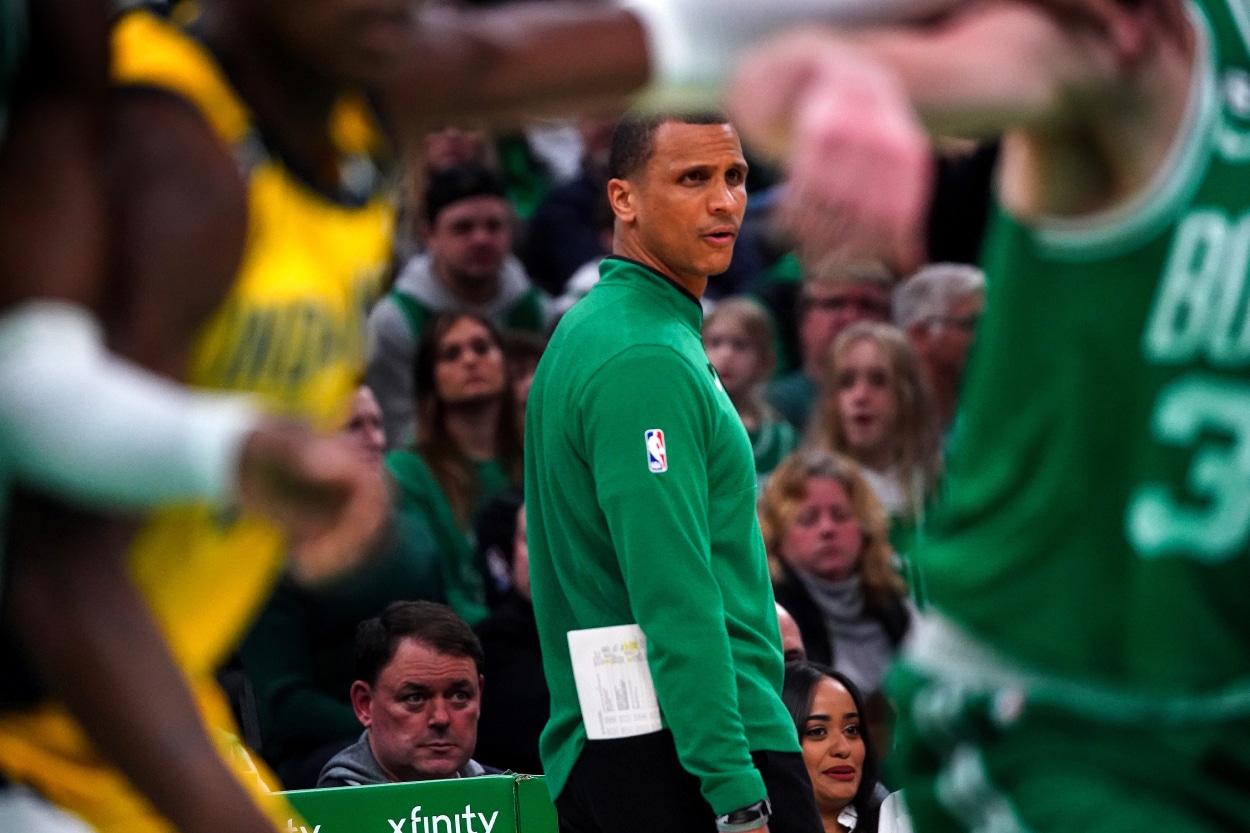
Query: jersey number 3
{"type": "Point", "coordinates": [1213, 416]}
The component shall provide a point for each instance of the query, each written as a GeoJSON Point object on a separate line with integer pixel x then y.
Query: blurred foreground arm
{"type": "Point", "coordinates": [82, 424]}
{"type": "Point", "coordinates": [848, 110]}
{"type": "Point", "coordinates": [694, 43]}
{"type": "Point", "coordinates": [145, 441]}
{"type": "Point", "coordinates": [561, 56]}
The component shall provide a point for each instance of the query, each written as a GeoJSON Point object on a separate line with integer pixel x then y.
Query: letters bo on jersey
{"type": "Point", "coordinates": [657, 456]}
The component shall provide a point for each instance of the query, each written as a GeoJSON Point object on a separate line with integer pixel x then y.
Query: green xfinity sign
{"type": "Point", "coordinates": [487, 804]}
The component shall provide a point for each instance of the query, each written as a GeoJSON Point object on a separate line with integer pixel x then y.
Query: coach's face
{"type": "Point", "coordinates": [680, 214]}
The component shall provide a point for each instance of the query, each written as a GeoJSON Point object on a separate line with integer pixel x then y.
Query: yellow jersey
{"type": "Point", "coordinates": [290, 331]}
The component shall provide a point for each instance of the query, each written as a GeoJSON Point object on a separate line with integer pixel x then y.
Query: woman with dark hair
{"type": "Point", "coordinates": [829, 715]}
{"type": "Point", "coordinates": [468, 448]}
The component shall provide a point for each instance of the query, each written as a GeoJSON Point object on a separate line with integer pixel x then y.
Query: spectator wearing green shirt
{"type": "Point", "coordinates": [468, 448]}
{"type": "Point", "coordinates": [466, 225]}
{"type": "Point", "coordinates": [640, 488]}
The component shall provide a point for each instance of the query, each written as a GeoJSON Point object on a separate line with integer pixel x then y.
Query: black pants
{"type": "Point", "coordinates": [630, 784]}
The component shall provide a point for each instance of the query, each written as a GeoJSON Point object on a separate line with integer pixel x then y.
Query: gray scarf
{"type": "Point", "coordinates": [861, 648]}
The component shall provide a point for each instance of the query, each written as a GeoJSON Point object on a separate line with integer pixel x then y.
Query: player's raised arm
{"type": "Point", "coordinates": [560, 56]}
{"type": "Point", "coordinates": [849, 109]}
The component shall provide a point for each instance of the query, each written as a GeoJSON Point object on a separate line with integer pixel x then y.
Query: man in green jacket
{"type": "Point", "coordinates": [642, 529]}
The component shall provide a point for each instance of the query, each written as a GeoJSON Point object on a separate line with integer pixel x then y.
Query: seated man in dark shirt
{"type": "Point", "coordinates": [418, 696]}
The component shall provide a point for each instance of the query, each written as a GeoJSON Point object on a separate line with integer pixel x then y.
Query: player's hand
{"type": "Point", "coordinates": [1132, 29]}
{"type": "Point", "coordinates": [329, 498]}
{"type": "Point", "coordinates": [860, 168]}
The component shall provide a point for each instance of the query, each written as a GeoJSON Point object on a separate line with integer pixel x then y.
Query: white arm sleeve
{"type": "Point", "coordinates": [92, 428]}
{"type": "Point", "coordinates": [695, 43]}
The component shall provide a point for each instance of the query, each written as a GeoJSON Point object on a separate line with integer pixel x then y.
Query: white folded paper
{"type": "Point", "coordinates": [614, 684]}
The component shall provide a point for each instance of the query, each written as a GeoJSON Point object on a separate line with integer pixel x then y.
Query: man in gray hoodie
{"type": "Point", "coordinates": [466, 226]}
{"type": "Point", "coordinates": [418, 695]}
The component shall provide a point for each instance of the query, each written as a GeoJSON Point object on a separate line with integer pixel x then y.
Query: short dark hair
{"type": "Point", "coordinates": [797, 692]}
{"type": "Point", "coordinates": [429, 623]}
{"type": "Point", "coordinates": [633, 140]}
{"type": "Point", "coordinates": [460, 182]}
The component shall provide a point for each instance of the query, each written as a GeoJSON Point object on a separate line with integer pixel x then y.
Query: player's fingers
{"type": "Point", "coordinates": [895, 208]}
{"type": "Point", "coordinates": [859, 180]}
{"type": "Point", "coordinates": [1126, 26]}
{"type": "Point", "coordinates": [904, 245]}
{"type": "Point", "coordinates": [342, 539]}
{"type": "Point", "coordinates": [762, 93]}
{"type": "Point", "coordinates": [327, 462]}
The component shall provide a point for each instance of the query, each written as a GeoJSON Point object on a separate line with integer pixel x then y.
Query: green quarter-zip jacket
{"type": "Point", "coordinates": [640, 501]}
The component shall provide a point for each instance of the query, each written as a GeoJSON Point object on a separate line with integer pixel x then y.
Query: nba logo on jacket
{"type": "Point", "coordinates": [657, 457]}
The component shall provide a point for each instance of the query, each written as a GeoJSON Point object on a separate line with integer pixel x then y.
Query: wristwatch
{"type": "Point", "coordinates": [748, 818]}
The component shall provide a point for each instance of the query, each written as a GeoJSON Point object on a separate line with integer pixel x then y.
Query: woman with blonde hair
{"type": "Point", "coordinates": [876, 409]}
{"type": "Point", "coordinates": [832, 566]}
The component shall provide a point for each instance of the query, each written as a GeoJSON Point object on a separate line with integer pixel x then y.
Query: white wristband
{"type": "Point", "coordinates": [91, 427]}
{"type": "Point", "coordinates": [693, 44]}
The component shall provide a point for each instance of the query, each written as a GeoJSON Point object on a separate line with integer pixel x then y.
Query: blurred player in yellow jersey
{"type": "Point", "coordinates": [79, 423]}
{"type": "Point", "coordinates": [251, 226]}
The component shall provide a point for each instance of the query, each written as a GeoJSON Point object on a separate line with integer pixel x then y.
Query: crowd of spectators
{"type": "Point", "coordinates": [843, 373]}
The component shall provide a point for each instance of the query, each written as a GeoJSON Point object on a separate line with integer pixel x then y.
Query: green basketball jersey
{"type": "Point", "coordinates": [1097, 515]}
{"type": "Point", "coordinates": [12, 49]}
